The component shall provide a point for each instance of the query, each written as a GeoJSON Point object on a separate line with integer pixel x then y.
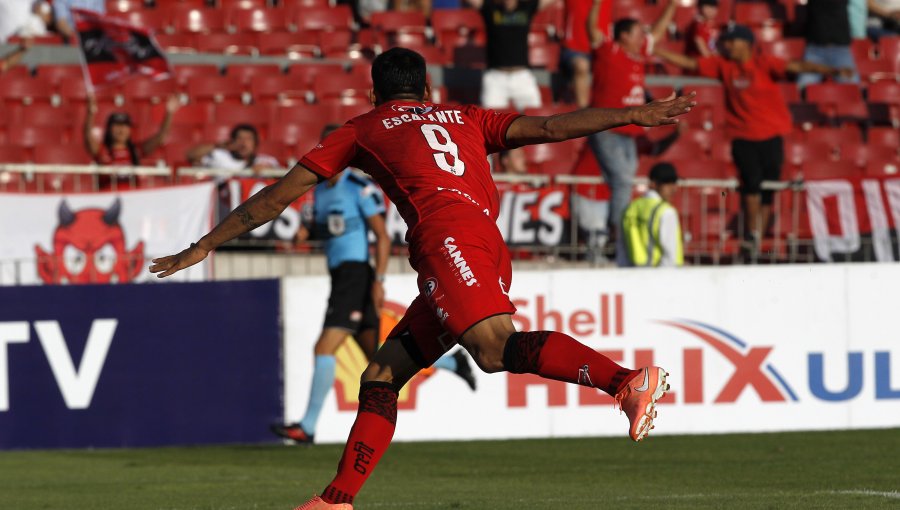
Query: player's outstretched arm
{"type": "Point", "coordinates": [556, 128]}
{"type": "Point", "coordinates": [257, 210]}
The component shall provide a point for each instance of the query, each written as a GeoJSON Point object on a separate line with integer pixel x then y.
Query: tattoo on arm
{"type": "Point", "coordinates": [245, 217]}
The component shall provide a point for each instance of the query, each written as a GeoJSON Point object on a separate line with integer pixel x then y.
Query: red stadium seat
{"type": "Point", "coordinates": [190, 19]}
{"type": "Point", "coordinates": [707, 141]}
{"type": "Point", "coordinates": [544, 56]}
{"type": "Point", "coordinates": [215, 88]}
{"type": "Point", "coordinates": [457, 27]}
{"type": "Point", "coordinates": [25, 90]}
{"type": "Point", "coordinates": [295, 46]}
{"type": "Point", "coordinates": [184, 73]}
{"type": "Point", "coordinates": [55, 74]}
{"type": "Point", "coordinates": [217, 132]}
{"type": "Point", "coordinates": [159, 20]}
{"type": "Point", "coordinates": [646, 14]}
{"type": "Point", "coordinates": [834, 136]}
{"type": "Point", "coordinates": [123, 5]}
{"type": "Point", "coordinates": [684, 148]}
{"type": "Point", "coordinates": [854, 153]}
{"type": "Point", "coordinates": [294, 5]}
{"type": "Point", "coordinates": [63, 154]}
{"type": "Point", "coordinates": [837, 101]}
{"type": "Point", "coordinates": [278, 88]}
{"type": "Point", "coordinates": [299, 137]}
{"type": "Point", "coordinates": [889, 49]}
{"type": "Point", "coordinates": [331, 86]}
{"type": "Point", "coordinates": [45, 115]}
{"type": "Point", "coordinates": [28, 136]}
{"type": "Point", "coordinates": [335, 41]}
{"type": "Point", "coordinates": [550, 19]}
{"type": "Point", "coordinates": [320, 114]}
{"type": "Point", "coordinates": [788, 49]}
{"type": "Point", "coordinates": [883, 166]}
{"type": "Point", "coordinates": [398, 21]}
{"type": "Point", "coordinates": [257, 115]}
{"type": "Point", "coordinates": [11, 154]}
{"type": "Point", "coordinates": [798, 153]}
{"type": "Point", "coordinates": [553, 158]}
{"type": "Point", "coordinates": [277, 150]}
{"type": "Point", "coordinates": [183, 133]}
{"type": "Point", "coordinates": [790, 92]}
{"type": "Point", "coordinates": [146, 90]}
{"type": "Point", "coordinates": [886, 137]}
{"type": "Point", "coordinates": [227, 44]}
{"type": "Point", "coordinates": [694, 168]}
{"type": "Point", "coordinates": [884, 102]}
{"type": "Point", "coordinates": [177, 43]}
{"type": "Point", "coordinates": [824, 169]}
{"type": "Point", "coordinates": [241, 4]}
{"type": "Point", "coordinates": [307, 72]}
{"type": "Point", "coordinates": [709, 113]}
{"type": "Point", "coordinates": [331, 19]}
{"type": "Point", "coordinates": [175, 152]}
{"type": "Point", "coordinates": [755, 13]}
{"type": "Point", "coordinates": [244, 73]}
{"type": "Point", "coordinates": [260, 20]}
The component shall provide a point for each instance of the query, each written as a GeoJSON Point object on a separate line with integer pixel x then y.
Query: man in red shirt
{"type": "Point", "coordinates": [576, 46]}
{"type": "Point", "coordinates": [431, 160]}
{"type": "Point", "coordinates": [619, 83]}
{"type": "Point", "coordinates": [756, 119]}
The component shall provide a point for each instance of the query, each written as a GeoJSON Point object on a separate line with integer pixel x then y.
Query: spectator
{"type": "Point", "coordinates": [62, 10]}
{"type": "Point", "coordinates": [513, 161]}
{"type": "Point", "coordinates": [576, 46]}
{"type": "Point", "coordinates": [619, 82]}
{"type": "Point", "coordinates": [650, 226]}
{"type": "Point", "coordinates": [508, 77]}
{"type": "Point", "coordinates": [884, 18]}
{"type": "Point", "coordinates": [858, 14]}
{"type": "Point", "coordinates": [18, 18]}
{"type": "Point", "coordinates": [423, 6]}
{"type": "Point", "coordinates": [12, 58]}
{"type": "Point", "coordinates": [828, 40]}
{"type": "Point", "coordinates": [703, 33]}
{"type": "Point", "coordinates": [756, 118]}
{"type": "Point", "coordinates": [238, 153]}
{"type": "Point", "coordinates": [117, 146]}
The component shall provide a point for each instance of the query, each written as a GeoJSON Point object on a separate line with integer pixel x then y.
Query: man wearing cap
{"type": "Point", "coordinates": [650, 226]}
{"type": "Point", "coordinates": [756, 116]}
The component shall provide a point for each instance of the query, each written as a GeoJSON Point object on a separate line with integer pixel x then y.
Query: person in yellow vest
{"type": "Point", "coordinates": [650, 225]}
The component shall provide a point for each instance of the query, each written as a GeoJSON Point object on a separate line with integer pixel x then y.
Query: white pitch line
{"type": "Point", "coordinates": [866, 492]}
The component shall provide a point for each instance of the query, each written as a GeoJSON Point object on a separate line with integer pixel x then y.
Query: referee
{"type": "Point", "coordinates": [345, 209]}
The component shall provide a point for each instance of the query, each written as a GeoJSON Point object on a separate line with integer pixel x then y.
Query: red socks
{"type": "Point", "coordinates": [558, 356]}
{"type": "Point", "coordinates": [369, 438]}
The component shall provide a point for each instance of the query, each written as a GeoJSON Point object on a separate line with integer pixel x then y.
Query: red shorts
{"type": "Point", "coordinates": [464, 273]}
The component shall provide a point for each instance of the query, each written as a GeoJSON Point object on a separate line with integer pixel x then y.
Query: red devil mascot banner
{"type": "Point", "coordinates": [114, 50]}
{"type": "Point", "coordinates": [100, 237]}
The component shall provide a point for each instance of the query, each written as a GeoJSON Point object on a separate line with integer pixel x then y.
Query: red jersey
{"type": "Point", "coordinates": [619, 80]}
{"type": "Point", "coordinates": [118, 156]}
{"type": "Point", "coordinates": [577, 11]}
{"type": "Point", "coordinates": [426, 157]}
{"type": "Point", "coordinates": [707, 31]}
{"type": "Point", "coordinates": [755, 107]}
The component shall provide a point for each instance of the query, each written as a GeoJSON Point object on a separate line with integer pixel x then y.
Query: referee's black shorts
{"type": "Point", "coordinates": [758, 161]}
{"type": "Point", "coordinates": [350, 305]}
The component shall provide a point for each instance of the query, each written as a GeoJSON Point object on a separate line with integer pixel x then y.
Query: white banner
{"type": "Point", "coordinates": [100, 237]}
{"type": "Point", "coordinates": [748, 349]}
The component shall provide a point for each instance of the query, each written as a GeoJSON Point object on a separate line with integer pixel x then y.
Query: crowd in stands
{"type": "Point", "coordinates": [828, 72]}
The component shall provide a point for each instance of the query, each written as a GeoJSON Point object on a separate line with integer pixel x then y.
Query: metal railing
{"type": "Point", "coordinates": [711, 217]}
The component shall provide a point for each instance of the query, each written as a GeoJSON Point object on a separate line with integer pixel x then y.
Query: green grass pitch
{"type": "Point", "coordinates": [858, 470]}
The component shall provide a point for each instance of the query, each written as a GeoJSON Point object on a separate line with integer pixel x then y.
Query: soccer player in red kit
{"type": "Point", "coordinates": [431, 160]}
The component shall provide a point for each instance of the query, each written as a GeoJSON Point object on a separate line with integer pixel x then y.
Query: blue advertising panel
{"type": "Point", "coordinates": [139, 364]}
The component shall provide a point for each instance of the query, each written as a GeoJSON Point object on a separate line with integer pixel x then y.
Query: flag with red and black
{"type": "Point", "coordinates": [115, 50]}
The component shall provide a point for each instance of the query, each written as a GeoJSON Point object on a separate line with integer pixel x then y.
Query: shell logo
{"type": "Point", "coordinates": [351, 362]}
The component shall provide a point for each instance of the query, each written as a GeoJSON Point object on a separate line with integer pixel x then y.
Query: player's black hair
{"type": "Point", "coordinates": [398, 72]}
{"type": "Point", "coordinates": [622, 26]}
